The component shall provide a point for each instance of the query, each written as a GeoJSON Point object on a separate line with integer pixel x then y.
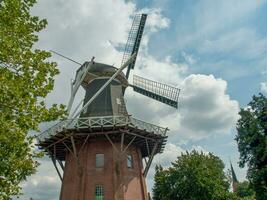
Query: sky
{"type": "Point", "coordinates": [213, 50]}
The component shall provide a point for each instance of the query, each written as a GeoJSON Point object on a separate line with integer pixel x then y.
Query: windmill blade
{"type": "Point", "coordinates": [155, 90]}
{"type": "Point", "coordinates": [134, 39]}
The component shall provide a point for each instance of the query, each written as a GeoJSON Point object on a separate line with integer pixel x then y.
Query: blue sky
{"type": "Point", "coordinates": [235, 62]}
{"type": "Point", "coordinates": [215, 51]}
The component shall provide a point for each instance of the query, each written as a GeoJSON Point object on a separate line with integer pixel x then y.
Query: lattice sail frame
{"type": "Point", "coordinates": [134, 40]}
{"type": "Point", "coordinates": [158, 91]}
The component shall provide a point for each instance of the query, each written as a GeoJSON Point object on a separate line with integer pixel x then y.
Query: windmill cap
{"type": "Point", "coordinates": [100, 70]}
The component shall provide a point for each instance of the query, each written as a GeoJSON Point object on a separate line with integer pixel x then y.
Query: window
{"type": "Point", "coordinates": [99, 192]}
{"type": "Point", "coordinates": [129, 161]}
{"type": "Point", "coordinates": [99, 160]}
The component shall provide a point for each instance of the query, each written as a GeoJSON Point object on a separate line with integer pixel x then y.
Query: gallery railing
{"type": "Point", "coordinates": [101, 122]}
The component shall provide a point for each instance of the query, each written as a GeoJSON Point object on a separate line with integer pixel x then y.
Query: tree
{"type": "Point", "coordinates": [161, 185]}
{"type": "Point", "coordinates": [244, 191]}
{"type": "Point", "coordinates": [26, 77]}
{"type": "Point", "coordinates": [252, 143]}
{"type": "Point", "coordinates": [192, 176]}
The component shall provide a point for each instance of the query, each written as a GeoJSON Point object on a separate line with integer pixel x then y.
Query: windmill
{"type": "Point", "coordinates": [99, 151]}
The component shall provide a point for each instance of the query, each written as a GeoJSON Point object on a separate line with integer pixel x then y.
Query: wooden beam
{"type": "Point", "coordinates": [87, 137]}
{"type": "Point", "coordinates": [55, 165]}
{"type": "Point", "coordinates": [61, 165]}
{"type": "Point", "coordinates": [150, 159]}
{"type": "Point", "coordinates": [145, 160]}
{"type": "Point", "coordinates": [147, 148]}
{"type": "Point", "coordinates": [113, 145]}
{"type": "Point", "coordinates": [55, 151]}
{"type": "Point", "coordinates": [128, 145]}
{"type": "Point", "coordinates": [58, 141]}
{"type": "Point", "coordinates": [75, 151]}
{"type": "Point", "coordinates": [130, 133]}
{"type": "Point", "coordinates": [68, 148]}
{"type": "Point", "coordinates": [122, 141]}
{"type": "Point", "coordinates": [73, 146]}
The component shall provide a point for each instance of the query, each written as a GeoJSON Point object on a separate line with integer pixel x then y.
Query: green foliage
{"type": "Point", "coordinates": [252, 143]}
{"type": "Point", "coordinates": [26, 77]}
{"type": "Point", "coordinates": [244, 191]}
{"type": "Point", "coordinates": [192, 176]}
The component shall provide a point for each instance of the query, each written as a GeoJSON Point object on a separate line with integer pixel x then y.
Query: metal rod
{"type": "Point", "coordinates": [65, 57]}
{"type": "Point", "coordinates": [130, 60]}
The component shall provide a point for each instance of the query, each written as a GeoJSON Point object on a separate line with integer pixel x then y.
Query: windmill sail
{"type": "Point", "coordinates": [134, 39]}
{"type": "Point", "coordinates": [155, 90]}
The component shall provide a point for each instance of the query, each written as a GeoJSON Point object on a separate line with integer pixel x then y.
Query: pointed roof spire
{"type": "Point", "coordinates": [233, 173]}
{"type": "Point", "coordinates": [234, 178]}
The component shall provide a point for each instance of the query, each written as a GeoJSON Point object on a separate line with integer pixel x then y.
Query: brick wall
{"type": "Point", "coordinates": [119, 181]}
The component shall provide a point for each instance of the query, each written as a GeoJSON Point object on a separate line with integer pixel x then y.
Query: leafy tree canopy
{"type": "Point", "coordinates": [252, 143]}
{"type": "Point", "coordinates": [192, 176]}
{"type": "Point", "coordinates": [244, 191]}
{"type": "Point", "coordinates": [26, 77]}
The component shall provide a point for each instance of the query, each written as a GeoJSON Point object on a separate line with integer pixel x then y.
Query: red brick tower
{"type": "Point", "coordinates": [101, 149]}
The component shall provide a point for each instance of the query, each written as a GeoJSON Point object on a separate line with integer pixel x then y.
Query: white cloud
{"type": "Point", "coordinates": [155, 19]}
{"type": "Point", "coordinates": [160, 70]}
{"type": "Point", "coordinates": [264, 87]}
{"type": "Point", "coordinates": [44, 185]}
{"type": "Point", "coordinates": [80, 29]}
{"type": "Point", "coordinates": [205, 109]}
{"type": "Point", "coordinates": [170, 154]}
{"type": "Point", "coordinates": [188, 58]}
{"type": "Point", "coordinates": [199, 149]}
